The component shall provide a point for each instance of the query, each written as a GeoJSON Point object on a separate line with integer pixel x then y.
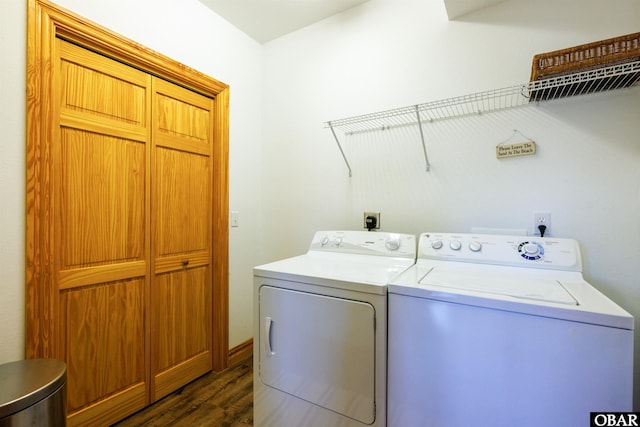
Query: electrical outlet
{"type": "Point", "coordinates": [541, 218]}
{"type": "Point", "coordinates": [376, 218]}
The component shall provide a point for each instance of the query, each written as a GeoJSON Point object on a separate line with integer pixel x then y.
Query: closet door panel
{"type": "Point", "coordinates": [102, 199]}
{"type": "Point", "coordinates": [105, 326]}
{"type": "Point", "coordinates": [182, 119]}
{"type": "Point", "coordinates": [183, 196]}
{"type": "Point", "coordinates": [100, 92]}
{"type": "Point", "coordinates": [182, 234]}
{"type": "Point", "coordinates": [181, 313]}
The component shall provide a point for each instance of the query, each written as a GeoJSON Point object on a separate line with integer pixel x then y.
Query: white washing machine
{"type": "Point", "coordinates": [503, 331]}
{"type": "Point", "coordinates": [320, 331]}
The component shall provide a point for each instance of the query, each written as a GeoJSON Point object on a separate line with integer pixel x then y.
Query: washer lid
{"type": "Point", "coordinates": [508, 283]}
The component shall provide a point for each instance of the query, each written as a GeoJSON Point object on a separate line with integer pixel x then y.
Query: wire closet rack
{"type": "Point", "coordinates": [591, 81]}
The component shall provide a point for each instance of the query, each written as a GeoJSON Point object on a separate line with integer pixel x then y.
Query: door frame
{"type": "Point", "coordinates": [46, 22]}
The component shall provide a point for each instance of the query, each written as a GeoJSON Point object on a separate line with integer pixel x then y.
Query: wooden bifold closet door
{"type": "Point", "coordinates": [100, 189]}
{"type": "Point", "coordinates": [123, 209]}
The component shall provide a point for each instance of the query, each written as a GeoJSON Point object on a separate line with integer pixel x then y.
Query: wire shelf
{"type": "Point", "coordinates": [591, 81]}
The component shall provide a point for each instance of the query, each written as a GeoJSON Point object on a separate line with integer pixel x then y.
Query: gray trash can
{"type": "Point", "coordinates": [32, 393]}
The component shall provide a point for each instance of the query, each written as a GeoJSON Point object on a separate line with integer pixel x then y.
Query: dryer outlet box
{"type": "Point", "coordinates": [371, 220]}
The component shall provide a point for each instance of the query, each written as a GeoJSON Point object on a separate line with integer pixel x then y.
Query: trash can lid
{"type": "Point", "coordinates": [25, 382]}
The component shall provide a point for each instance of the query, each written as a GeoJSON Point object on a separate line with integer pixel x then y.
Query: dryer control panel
{"type": "Point", "coordinates": [365, 243]}
{"type": "Point", "coordinates": [520, 251]}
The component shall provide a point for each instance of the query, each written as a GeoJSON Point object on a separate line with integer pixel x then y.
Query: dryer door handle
{"type": "Point", "coordinates": [268, 322]}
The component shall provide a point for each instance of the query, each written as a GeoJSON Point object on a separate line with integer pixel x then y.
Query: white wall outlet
{"type": "Point", "coordinates": [541, 218]}
{"type": "Point", "coordinates": [365, 220]}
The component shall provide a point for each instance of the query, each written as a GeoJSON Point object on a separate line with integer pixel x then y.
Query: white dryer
{"type": "Point", "coordinates": [320, 331]}
{"type": "Point", "coordinates": [502, 331]}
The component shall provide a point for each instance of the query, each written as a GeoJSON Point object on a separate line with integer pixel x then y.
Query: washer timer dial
{"type": "Point", "coordinates": [531, 250]}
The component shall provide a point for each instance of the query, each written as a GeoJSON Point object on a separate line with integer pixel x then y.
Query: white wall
{"type": "Point", "coordinates": [393, 53]}
{"type": "Point", "coordinates": [12, 178]}
{"type": "Point", "coordinates": [287, 177]}
{"type": "Point", "coordinates": [181, 29]}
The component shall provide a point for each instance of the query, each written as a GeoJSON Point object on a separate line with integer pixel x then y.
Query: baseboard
{"type": "Point", "coordinates": [241, 352]}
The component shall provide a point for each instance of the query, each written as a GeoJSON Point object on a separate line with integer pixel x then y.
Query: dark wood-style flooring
{"type": "Point", "coordinates": [223, 399]}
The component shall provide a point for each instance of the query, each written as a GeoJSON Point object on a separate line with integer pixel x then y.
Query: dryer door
{"type": "Point", "coordinates": [319, 348]}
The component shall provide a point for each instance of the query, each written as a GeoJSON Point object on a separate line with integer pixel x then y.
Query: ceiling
{"type": "Point", "coordinates": [265, 20]}
{"type": "Point", "coordinates": [457, 8]}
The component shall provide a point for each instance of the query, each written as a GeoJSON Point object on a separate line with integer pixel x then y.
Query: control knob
{"type": "Point", "coordinates": [531, 249]}
{"type": "Point", "coordinates": [436, 244]}
{"type": "Point", "coordinates": [455, 245]}
{"type": "Point", "coordinates": [475, 246]}
{"type": "Point", "coordinates": [393, 243]}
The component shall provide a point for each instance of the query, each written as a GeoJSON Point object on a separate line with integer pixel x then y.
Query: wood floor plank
{"type": "Point", "coordinates": [223, 399]}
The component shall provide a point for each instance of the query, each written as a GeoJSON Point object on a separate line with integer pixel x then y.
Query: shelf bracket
{"type": "Point", "coordinates": [424, 147]}
{"type": "Point", "coordinates": [340, 147]}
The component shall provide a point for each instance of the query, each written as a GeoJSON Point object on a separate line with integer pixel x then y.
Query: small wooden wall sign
{"type": "Point", "coordinates": [514, 150]}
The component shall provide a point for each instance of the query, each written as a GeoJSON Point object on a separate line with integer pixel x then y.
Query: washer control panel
{"type": "Point", "coordinates": [522, 251]}
{"type": "Point", "coordinates": [365, 242]}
